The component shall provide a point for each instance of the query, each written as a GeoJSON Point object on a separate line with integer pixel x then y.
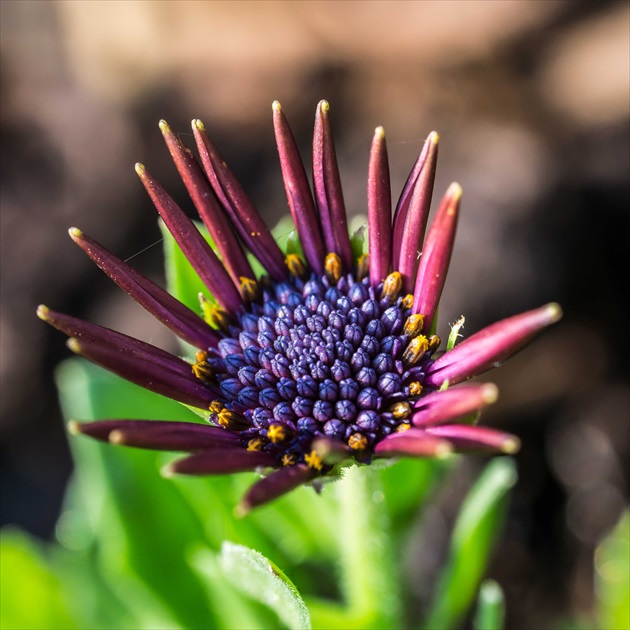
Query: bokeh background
{"type": "Point", "coordinates": [531, 99]}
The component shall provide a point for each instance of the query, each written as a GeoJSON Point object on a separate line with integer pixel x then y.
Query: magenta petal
{"type": "Point", "coordinates": [328, 191]}
{"type": "Point", "coordinates": [491, 346]}
{"type": "Point", "coordinates": [220, 462]}
{"type": "Point", "coordinates": [412, 212]}
{"type": "Point", "coordinates": [412, 443]}
{"type": "Point", "coordinates": [157, 434]}
{"type": "Point", "coordinates": [379, 203]}
{"type": "Point", "coordinates": [436, 256]}
{"type": "Point", "coordinates": [465, 437]}
{"type": "Point", "coordinates": [275, 485]}
{"type": "Point", "coordinates": [194, 246]}
{"type": "Point", "coordinates": [455, 402]}
{"type": "Point", "coordinates": [163, 306]}
{"type": "Point", "coordinates": [298, 192]}
{"type": "Point", "coordinates": [244, 216]}
{"type": "Point", "coordinates": [208, 208]}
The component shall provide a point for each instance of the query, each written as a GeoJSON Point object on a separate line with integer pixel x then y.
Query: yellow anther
{"type": "Point", "coordinates": [405, 426]}
{"type": "Point", "coordinates": [434, 343]}
{"type": "Point", "coordinates": [313, 460]}
{"type": "Point", "coordinates": [203, 371]}
{"type": "Point", "coordinates": [407, 301]}
{"type": "Point", "coordinates": [249, 289]}
{"type": "Point", "coordinates": [401, 410]}
{"type": "Point", "coordinates": [201, 355]}
{"type": "Point", "coordinates": [277, 433]}
{"type": "Point", "coordinates": [415, 350]}
{"type": "Point", "coordinates": [413, 325]}
{"type": "Point", "coordinates": [231, 420]}
{"type": "Point", "coordinates": [216, 407]}
{"type": "Point", "coordinates": [256, 444]}
{"type": "Point", "coordinates": [392, 286]}
{"type": "Point", "coordinates": [357, 442]}
{"type": "Point", "coordinates": [415, 388]}
{"type": "Point", "coordinates": [295, 265]}
{"type": "Point", "coordinates": [214, 315]}
{"type": "Point", "coordinates": [289, 459]}
{"type": "Point", "coordinates": [332, 267]}
{"type": "Point", "coordinates": [363, 266]}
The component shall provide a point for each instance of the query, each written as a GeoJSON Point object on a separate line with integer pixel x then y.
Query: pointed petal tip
{"type": "Point", "coordinates": [198, 124]}
{"type": "Point", "coordinates": [168, 471]}
{"type": "Point", "coordinates": [75, 233]}
{"type": "Point", "coordinates": [379, 133]}
{"type": "Point", "coordinates": [74, 345]}
{"type": "Point", "coordinates": [43, 312]}
{"type": "Point", "coordinates": [554, 312]}
{"type": "Point", "coordinates": [490, 393]}
{"type": "Point", "coordinates": [324, 106]}
{"type": "Point", "coordinates": [74, 427]}
{"type": "Point", "coordinates": [511, 445]}
{"type": "Point", "coordinates": [455, 191]}
{"type": "Point", "coordinates": [164, 127]}
{"type": "Point", "coordinates": [433, 137]}
{"type": "Point", "coordinates": [276, 107]}
{"type": "Point", "coordinates": [140, 169]}
{"type": "Point", "coordinates": [242, 509]}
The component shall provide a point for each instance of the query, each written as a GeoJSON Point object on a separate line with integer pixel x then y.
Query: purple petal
{"type": "Point", "coordinates": [491, 346]}
{"type": "Point", "coordinates": [328, 191]}
{"type": "Point", "coordinates": [179, 318]}
{"type": "Point", "coordinates": [436, 256]}
{"type": "Point", "coordinates": [194, 246]}
{"type": "Point", "coordinates": [208, 207]}
{"type": "Point", "coordinates": [298, 192]}
{"type": "Point", "coordinates": [157, 434]}
{"type": "Point", "coordinates": [275, 485]}
{"type": "Point", "coordinates": [412, 211]}
{"type": "Point", "coordinates": [379, 209]}
{"type": "Point", "coordinates": [412, 443]}
{"type": "Point", "coordinates": [220, 462]}
{"type": "Point", "coordinates": [455, 402]}
{"type": "Point", "coordinates": [134, 360]}
{"type": "Point", "coordinates": [245, 218]}
{"type": "Point", "coordinates": [465, 437]}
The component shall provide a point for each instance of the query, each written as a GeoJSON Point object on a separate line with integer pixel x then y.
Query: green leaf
{"type": "Point", "coordinates": [31, 594]}
{"type": "Point", "coordinates": [260, 579]}
{"type": "Point", "coordinates": [477, 528]}
{"type": "Point", "coordinates": [490, 613]}
{"type": "Point", "coordinates": [612, 577]}
{"type": "Point", "coordinates": [140, 526]}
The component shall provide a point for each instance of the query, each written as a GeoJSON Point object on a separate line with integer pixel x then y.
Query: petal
{"type": "Point", "coordinates": [328, 190]}
{"type": "Point", "coordinates": [208, 207]}
{"type": "Point", "coordinates": [220, 462]}
{"type": "Point", "coordinates": [412, 212]}
{"type": "Point", "coordinates": [298, 192]}
{"type": "Point", "coordinates": [275, 485]}
{"type": "Point", "coordinates": [163, 306]}
{"type": "Point", "coordinates": [465, 437]}
{"type": "Point", "coordinates": [491, 346]}
{"type": "Point", "coordinates": [157, 434]}
{"type": "Point", "coordinates": [412, 443]}
{"type": "Point", "coordinates": [455, 402]}
{"type": "Point", "coordinates": [436, 256]}
{"type": "Point", "coordinates": [194, 246]}
{"type": "Point", "coordinates": [379, 209]}
{"type": "Point", "coordinates": [244, 216]}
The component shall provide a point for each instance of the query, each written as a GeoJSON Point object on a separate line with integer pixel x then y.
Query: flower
{"type": "Point", "coordinates": [329, 358]}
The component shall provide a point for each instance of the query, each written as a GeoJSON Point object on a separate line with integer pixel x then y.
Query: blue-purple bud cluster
{"type": "Point", "coordinates": [320, 360]}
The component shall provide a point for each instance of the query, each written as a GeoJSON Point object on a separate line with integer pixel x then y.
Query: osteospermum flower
{"type": "Point", "coordinates": [325, 360]}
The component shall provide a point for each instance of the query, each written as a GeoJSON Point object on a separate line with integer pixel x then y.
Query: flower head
{"type": "Point", "coordinates": [326, 359]}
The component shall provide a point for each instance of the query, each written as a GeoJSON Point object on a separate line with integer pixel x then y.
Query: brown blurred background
{"type": "Point", "coordinates": [531, 100]}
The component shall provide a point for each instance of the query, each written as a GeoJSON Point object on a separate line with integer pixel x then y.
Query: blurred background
{"type": "Point", "coordinates": [531, 100]}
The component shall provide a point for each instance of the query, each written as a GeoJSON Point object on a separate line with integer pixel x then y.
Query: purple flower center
{"type": "Point", "coordinates": [316, 359]}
